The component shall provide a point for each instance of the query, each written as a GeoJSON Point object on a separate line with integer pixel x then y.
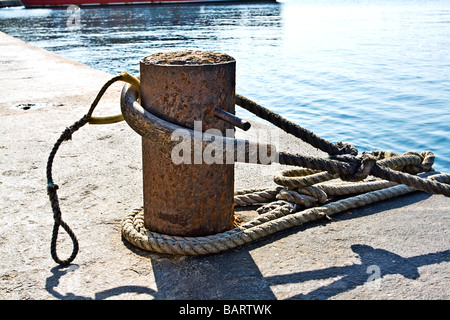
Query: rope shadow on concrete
{"type": "Point", "coordinates": [372, 260]}
{"type": "Point", "coordinates": [58, 272]}
{"type": "Point", "coordinates": [234, 274]}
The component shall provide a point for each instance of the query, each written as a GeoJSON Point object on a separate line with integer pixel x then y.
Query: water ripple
{"type": "Point", "coordinates": [374, 74]}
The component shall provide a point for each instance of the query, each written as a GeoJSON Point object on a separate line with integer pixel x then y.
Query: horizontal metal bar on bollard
{"type": "Point", "coordinates": [187, 95]}
{"type": "Point", "coordinates": [151, 127]}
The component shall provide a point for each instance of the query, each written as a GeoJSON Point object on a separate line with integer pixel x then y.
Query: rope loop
{"type": "Point", "coordinates": [52, 188]}
{"type": "Point", "coordinates": [426, 162]}
{"type": "Point", "coordinates": [60, 223]}
{"type": "Point", "coordinates": [302, 196]}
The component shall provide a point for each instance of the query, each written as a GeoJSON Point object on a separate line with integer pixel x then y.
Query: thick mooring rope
{"type": "Point", "coordinates": [297, 207]}
{"type": "Point", "coordinates": [343, 158]}
{"type": "Point", "coordinates": [301, 197]}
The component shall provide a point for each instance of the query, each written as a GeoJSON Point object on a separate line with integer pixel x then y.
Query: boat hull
{"type": "Point", "coordinates": [65, 3]}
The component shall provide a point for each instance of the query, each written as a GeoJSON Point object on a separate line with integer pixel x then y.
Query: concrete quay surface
{"type": "Point", "coordinates": [403, 244]}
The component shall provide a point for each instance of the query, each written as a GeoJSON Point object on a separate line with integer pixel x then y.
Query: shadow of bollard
{"type": "Point", "coordinates": [231, 275]}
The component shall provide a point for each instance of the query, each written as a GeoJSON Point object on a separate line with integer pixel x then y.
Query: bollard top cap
{"type": "Point", "coordinates": [187, 58]}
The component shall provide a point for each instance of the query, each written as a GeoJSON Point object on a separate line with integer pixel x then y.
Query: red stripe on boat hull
{"type": "Point", "coordinates": [58, 3]}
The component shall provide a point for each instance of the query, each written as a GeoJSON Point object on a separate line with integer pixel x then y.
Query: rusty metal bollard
{"type": "Point", "coordinates": [183, 87]}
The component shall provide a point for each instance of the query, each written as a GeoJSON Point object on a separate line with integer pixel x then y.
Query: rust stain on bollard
{"type": "Point", "coordinates": [183, 87]}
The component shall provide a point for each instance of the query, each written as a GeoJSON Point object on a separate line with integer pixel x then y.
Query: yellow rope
{"type": "Point", "coordinates": [125, 77]}
{"type": "Point", "coordinates": [302, 188]}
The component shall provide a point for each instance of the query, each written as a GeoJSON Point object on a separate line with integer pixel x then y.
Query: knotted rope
{"type": "Point", "coordinates": [343, 158]}
{"type": "Point", "coordinates": [300, 197]}
{"type": "Point", "coordinates": [52, 187]}
{"type": "Point", "coordinates": [300, 200]}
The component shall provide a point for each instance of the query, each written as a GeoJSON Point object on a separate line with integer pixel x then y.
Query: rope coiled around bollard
{"type": "Point", "coordinates": [280, 216]}
{"type": "Point", "coordinates": [302, 202]}
{"type": "Point", "coordinates": [301, 196]}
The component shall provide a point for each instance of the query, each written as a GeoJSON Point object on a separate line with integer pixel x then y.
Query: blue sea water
{"type": "Point", "coordinates": [374, 73]}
